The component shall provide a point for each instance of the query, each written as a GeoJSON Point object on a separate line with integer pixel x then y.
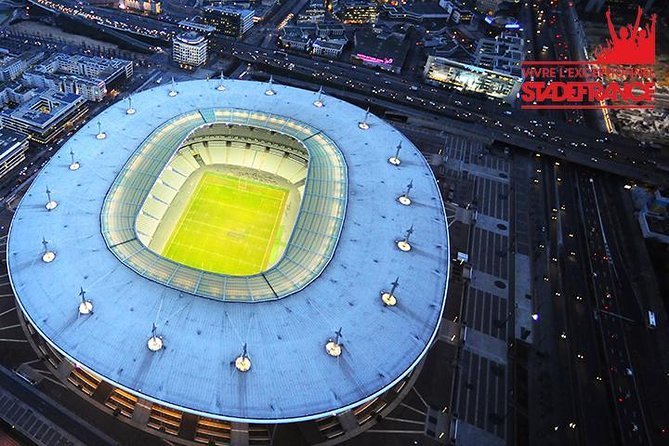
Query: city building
{"type": "Point", "coordinates": [328, 48]}
{"type": "Point", "coordinates": [90, 77]}
{"type": "Point", "coordinates": [295, 38]}
{"type": "Point", "coordinates": [13, 148]}
{"type": "Point", "coordinates": [202, 28]}
{"type": "Point", "coordinates": [189, 49]}
{"type": "Point", "coordinates": [330, 30]}
{"type": "Point", "coordinates": [12, 67]}
{"type": "Point", "coordinates": [313, 13]}
{"type": "Point", "coordinates": [264, 9]}
{"type": "Point", "coordinates": [488, 7]}
{"type": "Point", "coordinates": [494, 25]}
{"type": "Point", "coordinates": [229, 20]}
{"type": "Point", "coordinates": [380, 48]}
{"type": "Point", "coordinates": [145, 6]}
{"type": "Point", "coordinates": [106, 69]}
{"type": "Point", "coordinates": [417, 12]}
{"type": "Point", "coordinates": [92, 89]}
{"type": "Point", "coordinates": [46, 115]}
{"type": "Point", "coordinates": [464, 77]}
{"type": "Point", "coordinates": [356, 11]}
{"type": "Point", "coordinates": [321, 343]}
{"type": "Point", "coordinates": [503, 53]}
{"type": "Point", "coordinates": [458, 10]}
{"type": "Point", "coordinates": [15, 93]}
{"type": "Point", "coordinates": [654, 218]}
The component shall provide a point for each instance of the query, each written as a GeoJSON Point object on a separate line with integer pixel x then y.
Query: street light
{"type": "Point", "coordinates": [270, 91]}
{"type": "Point", "coordinates": [535, 316]}
{"type": "Point", "coordinates": [333, 347]}
{"type": "Point", "coordinates": [403, 244]}
{"type": "Point", "coordinates": [363, 125]}
{"type": "Point", "coordinates": [404, 198]}
{"type": "Point", "coordinates": [86, 305]}
{"type": "Point", "coordinates": [48, 256]}
{"type": "Point", "coordinates": [173, 90]}
{"type": "Point", "coordinates": [319, 101]}
{"type": "Point", "coordinates": [388, 297]}
{"type": "Point", "coordinates": [243, 363]}
{"type": "Point", "coordinates": [101, 134]}
{"type": "Point", "coordinates": [395, 160]}
{"type": "Point", "coordinates": [74, 165]}
{"type": "Point", "coordinates": [130, 110]}
{"type": "Point", "coordinates": [155, 342]}
{"type": "Point", "coordinates": [50, 204]}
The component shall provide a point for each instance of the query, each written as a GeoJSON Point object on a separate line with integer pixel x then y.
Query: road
{"type": "Point", "coordinates": [609, 289]}
{"type": "Point", "coordinates": [52, 410]}
{"type": "Point", "coordinates": [578, 144]}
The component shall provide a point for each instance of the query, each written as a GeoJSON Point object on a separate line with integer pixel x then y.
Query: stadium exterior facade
{"type": "Point", "coordinates": [91, 293]}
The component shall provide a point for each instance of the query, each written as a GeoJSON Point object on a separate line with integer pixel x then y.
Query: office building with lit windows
{"type": "Point", "coordinates": [229, 20]}
{"type": "Point", "coordinates": [357, 11]}
{"type": "Point", "coordinates": [46, 115]}
{"type": "Point", "coordinates": [189, 49]}
{"type": "Point", "coordinates": [464, 77]}
{"type": "Point", "coordinates": [13, 148]}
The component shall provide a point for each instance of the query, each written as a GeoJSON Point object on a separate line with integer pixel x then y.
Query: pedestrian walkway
{"type": "Point", "coordinates": [32, 424]}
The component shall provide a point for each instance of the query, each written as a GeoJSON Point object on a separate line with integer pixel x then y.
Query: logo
{"type": "Point", "coordinates": [620, 75]}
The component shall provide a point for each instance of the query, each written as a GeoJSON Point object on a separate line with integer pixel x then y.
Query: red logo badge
{"type": "Point", "coordinates": [620, 75]}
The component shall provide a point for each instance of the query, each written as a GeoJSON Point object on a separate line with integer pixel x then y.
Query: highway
{"type": "Point", "coordinates": [578, 144]}
{"type": "Point", "coordinates": [609, 289]}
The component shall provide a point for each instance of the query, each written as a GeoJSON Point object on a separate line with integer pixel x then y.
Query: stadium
{"type": "Point", "coordinates": [234, 263]}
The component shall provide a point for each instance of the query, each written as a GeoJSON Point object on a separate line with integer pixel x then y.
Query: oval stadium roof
{"type": "Point", "coordinates": [292, 377]}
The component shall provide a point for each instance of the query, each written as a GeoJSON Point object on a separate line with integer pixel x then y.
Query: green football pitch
{"type": "Point", "coordinates": [230, 225]}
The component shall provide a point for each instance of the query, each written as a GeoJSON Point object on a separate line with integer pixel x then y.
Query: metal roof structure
{"type": "Point", "coordinates": [60, 263]}
{"type": "Point", "coordinates": [316, 230]}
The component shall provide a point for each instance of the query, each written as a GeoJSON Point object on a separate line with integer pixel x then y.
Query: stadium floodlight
{"type": "Point", "coordinates": [319, 101]}
{"type": "Point", "coordinates": [50, 204]}
{"type": "Point", "coordinates": [130, 110]}
{"type": "Point", "coordinates": [220, 86]}
{"type": "Point", "coordinates": [404, 198]}
{"type": "Point", "coordinates": [173, 89]}
{"type": "Point", "coordinates": [270, 91]}
{"type": "Point", "coordinates": [48, 256]}
{"type": "Point", "coordinates": [363, 124]}
{"type": "Point", "coordinates": [86, 305]}
{"type": "Point", "coordinates": [395, 160]}
{"type": "Point", "coordinates": [101, 134]}
{"type": "Point", "coordinates": [388, 297]}
{"type": "Point", "coordinates": [155, 342]}
{"type": "Point", "coordinates": [74, 165]}
{"type": "Point", "coordinates": [404, 243]}
{"type": "Point", "coordinates": [243, 363]}
{"type": "Point", "coordinates": [333, 347]}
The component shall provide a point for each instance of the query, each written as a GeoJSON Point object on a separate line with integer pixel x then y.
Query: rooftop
{"type": "Point", "coordinates": [292, 377]}
{"type": "Point", "coordinates": [190, 37]}
{"type": "Point", "coordinates": [9, 140]}
{"type": "Point", "coordinates": [45, 107]}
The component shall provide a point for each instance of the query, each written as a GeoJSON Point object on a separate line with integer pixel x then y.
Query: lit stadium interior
{"type": "Point", "coordinates": [227, 200]}
{"type": "Point", "coordinates": [214, 272]}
